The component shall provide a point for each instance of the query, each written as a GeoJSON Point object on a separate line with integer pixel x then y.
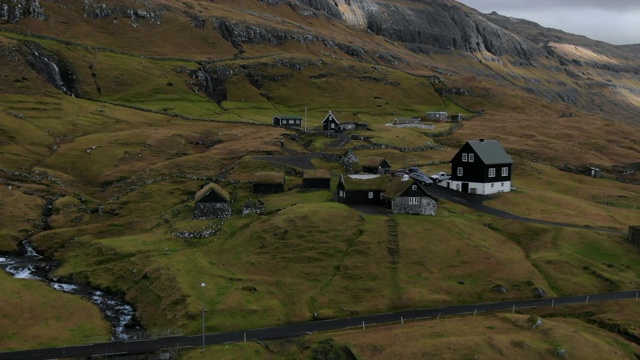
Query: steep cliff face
{"type": "Point", "coordinates": [16, 10]}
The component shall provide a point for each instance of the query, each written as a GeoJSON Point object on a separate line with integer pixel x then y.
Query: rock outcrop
{"type": "Point", "coordinates": [16, 10]}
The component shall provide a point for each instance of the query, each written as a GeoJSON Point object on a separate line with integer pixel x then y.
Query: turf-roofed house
{"type": "Point", "coordinates": [403, 195]}
{"type": "Point", "coordinates": [361, 189]}
{"type": "Point", "coordinates": [480, 167]}
{"type": "Point", "coordinates": [268, 183]}
{"type": "Point", "coordinates": [212, 202]}
{"type": "Point", "coordinates": [316, 179]}
{"type": "Point", "coordinates": [376, 165]}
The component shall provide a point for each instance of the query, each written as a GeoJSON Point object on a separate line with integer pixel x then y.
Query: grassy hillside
{"type": "Point", "coordinates": [123, 160]}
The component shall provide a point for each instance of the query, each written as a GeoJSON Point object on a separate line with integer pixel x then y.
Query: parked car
{"type": "Point", "coordinates": [401, 172]}
{"type": "Point", "coordinates": [421, 178]}
{"type": "Point", "coordinates": [439, 176]}
{"type": "Point", "coordinates": [414, 170]}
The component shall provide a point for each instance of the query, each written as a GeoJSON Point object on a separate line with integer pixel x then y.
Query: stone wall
{"type": "Point", "coordinates": [427, 206]}
{"type": "Point", "coordinates": [212, 211]}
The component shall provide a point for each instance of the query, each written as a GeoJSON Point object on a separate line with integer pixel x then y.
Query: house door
{"type": "Point", "coordinates": [465, 187]}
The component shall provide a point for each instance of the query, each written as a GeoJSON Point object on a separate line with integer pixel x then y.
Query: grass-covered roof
{"type": "Point", "coordinates": [268, 178]}
{"type": "Point", "coordinates": [212, 187]}
{"type": "Point", "coordinates": [365, 182]}
{"type": "Point", "coordinates": [373, 161]}
{"type": "Point", "coordinates": [316, 174]}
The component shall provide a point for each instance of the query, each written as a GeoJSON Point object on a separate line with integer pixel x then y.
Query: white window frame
{"type": "Point", "coordinates": [341, 193]}
{"type": "Point", "coordinates": [505, 171]}
{"type": "Point", "coordinates": [370, 194]}
{"type": "Point", "coordinates": [414, 201]}
{"type": "Point", "coordinates": [460, 171]}
{"type": "Point", "coordinates": [414, 187]}
{"type": "Point", "coordinates": [464, 157]}
{"type": "Point", "coordinates": [471, 157]}
{"type": "Point", "coordinates": [492, 172]}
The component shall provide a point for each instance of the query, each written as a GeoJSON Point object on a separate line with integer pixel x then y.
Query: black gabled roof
{"type": "Point", "coordinates": [490, 152]}
{"type": "Point", "coordinates": [288, 117]}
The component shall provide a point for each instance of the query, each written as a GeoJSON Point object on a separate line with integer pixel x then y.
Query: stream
{"type": "Point", "coordinates": [28, 264]}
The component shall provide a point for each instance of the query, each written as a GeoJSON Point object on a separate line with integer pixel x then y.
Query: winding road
{"type": "Point", "coordinates": [122, 348]}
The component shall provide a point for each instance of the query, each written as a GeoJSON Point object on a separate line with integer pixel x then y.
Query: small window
{"type": "Point", "coordinates": [492, 184]}
{"type": "Point", "coordinates": [370, 194]}
{"type": "Point", "coordinates": [333, 125]}
{"type": "Point", "coordinates": [459, 171]}
{"type": "Point", "coordinates": [464, 157]}
{"type": "Point", "coordinates": [341, 193]}
{"type": "Point", "coordinates": [492, 172]}
{"type": "Point", "coordinates": [471, 157]}
{"type": "Point", "coordinates": [501, 184]}
{"type": "Point", "coordinates": [414, 187]}
{"type": "Point", "coordinates": [505, 171]}
{"type": "Point", "coordinates": [414, 200]}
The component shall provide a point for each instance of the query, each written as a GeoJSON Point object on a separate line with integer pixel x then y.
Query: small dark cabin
{"type": "Point", "coordinates": [363, 189]}
{"type": "Point", "coordinates": [316, 179]}
{"type": "Point", "coordinates": [331, 123]}
{"type": "Point", "coordinates": [268, 183]}
{"type": "Point", "coordinates": [287, 121]}
{"type": "Point", "coordinates": [376, 165]}
{"type": "Point", "coordinates": [212, 202]}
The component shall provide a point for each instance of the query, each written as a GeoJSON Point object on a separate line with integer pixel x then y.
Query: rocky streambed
{"type": "Point", "coordinates": [29, 265]}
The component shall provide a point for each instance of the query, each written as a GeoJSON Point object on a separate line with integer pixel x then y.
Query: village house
{"type": "Point", "coordinates": [363, 189]}
{"type": "Point", "coordinates": [268, 183]}
{"type": "Point", "coordinates": [316, 179]}
{"type": "Point", "coordinates": [403, 195]}
{"type": "Point", "coordinates": [376, 165]}
{"type": "Point", "coordinates": [212, 202]}
{"type": "Point", "coordinates": [287, 121]}
{"type": "Point", "coordinates": [480, 167]}
{"type": "Point", "coordinates": [405, 121]}
{"type": "Point", "coordinates": [330, 123]}
{"type": "Point", "coordinates": [438, 116]}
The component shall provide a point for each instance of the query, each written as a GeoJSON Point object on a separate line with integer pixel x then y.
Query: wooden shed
{"type": "Point", "coordinates": [376, 165]}
{"type": "Point", "coordinates": [212, 202]}
{"type": "Point", "coordinates": [316, 179]}
{"type": "Point", "coordinates": [268, 183]}
{"type": "Point", "coordinates": [634, 234]}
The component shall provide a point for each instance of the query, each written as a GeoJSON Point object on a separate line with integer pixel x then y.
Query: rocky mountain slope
{"type": "Point", "coordinates": [412, 35]}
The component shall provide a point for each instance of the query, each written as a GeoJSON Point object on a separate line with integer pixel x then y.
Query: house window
{"type": "Point", "coordinates": [370, 194]}
{"type": "Point", "coordinates": [492, 185]}
{"type": "Point", "coordinates": [505, 171]}
{"type": "Point", "coordinates": [341, 193]}
{"type": "Point", "coordinates": [464, 157]}
{"type": "Point", "coordinates": [414, 200]}
{"type": "Point", "coordinates": [297, 121]}
{"type": "Point", "coordinates": [501, 184]}
{"type": "Point", "coordinates": [492, 172]}
{"type": "Point", "coordinates": [333, 126]}
{"type": "Point", "coordinates": [459, 171]}
{"type": "Point", "coordinates": [414, 187]}
{"type": "Point", "coordinates": [471, 157]}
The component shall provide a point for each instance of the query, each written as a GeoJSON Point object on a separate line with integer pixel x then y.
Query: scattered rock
{"type": "Point", "coordinates": [499, 288]}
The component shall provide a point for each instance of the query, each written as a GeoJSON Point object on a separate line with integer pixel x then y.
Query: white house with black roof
{"type": "Point", "coordinates": [480, 167]}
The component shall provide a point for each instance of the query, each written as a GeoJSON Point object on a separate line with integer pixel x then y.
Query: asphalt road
{"type": "Point", "coordinates": [297, 329]}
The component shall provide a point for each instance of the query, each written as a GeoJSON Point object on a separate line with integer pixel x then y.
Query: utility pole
{"type": "Point", "coordinates": [204, 309]}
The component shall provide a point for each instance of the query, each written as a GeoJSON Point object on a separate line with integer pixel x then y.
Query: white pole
{"type": "Point", "coordinates": [203, 310]}
{"type": "Point", "coordinates": [401, 320]}
{"type": "Point", "coordinates": [552, 301]}
{"type": "Point", "coordinates": [636, 295]}
{"type": "Point", "coordinates": [438, 316]}
{"type": "Point", "coordinates": [245, 337]}
{"type": "Point", "coordinates": [474, 312]}
{"type": "Point", "coordinates": [363, 328]}
{"type": "Point", "coordinates": [305, 119]}
{"type": "Point", "coordinates": [513, 311]}
{"type": "Point", "coordinates": [587, 301]}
